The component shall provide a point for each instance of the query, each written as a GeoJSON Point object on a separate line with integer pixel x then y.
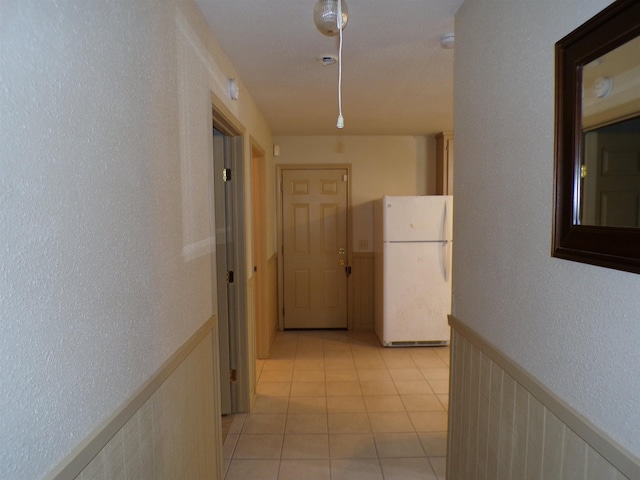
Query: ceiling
{"type": "Point", "coordinates": [396, 78]}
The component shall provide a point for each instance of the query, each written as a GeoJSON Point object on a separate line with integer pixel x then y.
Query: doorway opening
{"type": "Point", "coordinates": [265, 319]}
{"type": "Point", "coordinates": [230, 272]}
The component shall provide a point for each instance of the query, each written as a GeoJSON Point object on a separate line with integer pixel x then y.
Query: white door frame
{"type": "Point", "coordinates": [309, 166]}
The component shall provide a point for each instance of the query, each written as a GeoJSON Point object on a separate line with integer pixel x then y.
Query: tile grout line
{"type": "Point", "coordinates": [352, 357]}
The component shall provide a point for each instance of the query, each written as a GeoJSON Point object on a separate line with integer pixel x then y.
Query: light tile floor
{"type": "Point", "coordinates": [335, 405]}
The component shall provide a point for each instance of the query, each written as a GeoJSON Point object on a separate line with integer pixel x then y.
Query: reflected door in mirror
{"type": "Point", "coordinates": [610, 177]}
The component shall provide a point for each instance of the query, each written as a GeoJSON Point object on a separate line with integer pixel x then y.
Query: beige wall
{"type": "Point", "coordinates": [574, 327]}
{"type": "Point", "coordinates": [380, 165]}
{"type": "Point", "coordinates": [242, 113]}
{"type": "Point", "coordinates": [105, 153]}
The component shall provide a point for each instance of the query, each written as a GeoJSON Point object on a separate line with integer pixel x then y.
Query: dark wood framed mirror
{"type": "Point", "coordinates": [597, 151]}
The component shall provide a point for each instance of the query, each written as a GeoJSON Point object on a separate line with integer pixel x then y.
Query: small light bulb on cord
{"type": "Point", "coordinates": [340, 123]}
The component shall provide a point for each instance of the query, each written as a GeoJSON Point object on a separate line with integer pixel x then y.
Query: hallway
{"type": "Point", "coordinates": [335, 405]}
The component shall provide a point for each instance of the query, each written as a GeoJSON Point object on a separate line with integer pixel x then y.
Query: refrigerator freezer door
{"type": "Point", "coordinates": [417, 293]}
{"type": "Point", "coordinates": [410, 219]}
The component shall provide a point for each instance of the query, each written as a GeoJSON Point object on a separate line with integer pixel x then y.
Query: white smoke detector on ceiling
{"type": "Point", "coordinates": [327, 60]}
{"type": "Point", "coordinates": [447, 40]}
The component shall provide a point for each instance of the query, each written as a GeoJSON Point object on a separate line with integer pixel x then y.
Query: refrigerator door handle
{"type": "Point", "coordinates": [444, 223]}
{"type": "Point", "coordinates": [445, 246]}
{"type": "Point", "coordinates": [446, 254]}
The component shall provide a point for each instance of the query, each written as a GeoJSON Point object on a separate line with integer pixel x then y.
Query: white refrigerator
{"type": "Point", "coordinates": [413, 241]}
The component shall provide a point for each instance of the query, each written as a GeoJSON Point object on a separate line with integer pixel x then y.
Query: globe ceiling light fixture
{"type": "Point", "coordinates": [330, 17]}
{"type": "Point", "coordinates": [325, 16]}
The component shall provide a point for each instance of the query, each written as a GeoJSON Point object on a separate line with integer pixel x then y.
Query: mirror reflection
{"type": "Point", "coordinates": [609, 173]}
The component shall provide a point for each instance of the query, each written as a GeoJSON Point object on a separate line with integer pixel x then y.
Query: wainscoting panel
{"type": "Point", "coordinates": [170, 429]}
{"type": "Point", "coordinates": [362, 292]}
{"type": "Point", "coordinates": [504, 425]}
{"type": "Point", "coordinates": [272, 297]}
{"type": "Point", "coordinates": [253, 331]}
{"type": "Point", "coordinates": [267, 319]}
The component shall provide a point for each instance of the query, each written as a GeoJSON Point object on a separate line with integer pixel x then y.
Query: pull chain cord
{"type": "Point", "coordinates": [340, 123]}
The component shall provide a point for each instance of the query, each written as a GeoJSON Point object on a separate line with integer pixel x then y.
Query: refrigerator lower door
{"type": "Point", "coordinates": [416, 293]}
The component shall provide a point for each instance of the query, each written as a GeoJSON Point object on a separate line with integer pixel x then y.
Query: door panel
{"type": "Point", "coordinates": [237, 362]}
{"type": "Point", "coordinates": [224, 253]}
{"type": "Point", "coordinates": [619, 180]}
{"type": "Point", "coordinates": [612, 185]}
{"type": "Point", "coordinates": [301, 222]}
{"type": "Point", "coordinates": [230, 268]}
{"type": "Point", "coordinates": [314, 217]}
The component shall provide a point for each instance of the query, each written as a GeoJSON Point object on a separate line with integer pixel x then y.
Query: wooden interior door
{"type": "Point", "coordinates": [237, 361]}
{"type": "Point", "coordinates": [614, 183]}
{"type": "Point", "coordinates": [314, 222]}
{"type": "Point", "coordinates": [224, 263]}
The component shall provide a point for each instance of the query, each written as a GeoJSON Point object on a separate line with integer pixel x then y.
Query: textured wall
{"type": "Point", "coordinates": [572, 326]}
{"type": "Point", "coordinates": [105, 262]}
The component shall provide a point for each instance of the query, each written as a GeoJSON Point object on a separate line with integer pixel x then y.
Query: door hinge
{"type": "Point", "coordinates": [233, 376]}
{"type": "Point", "coordinates": [347, 269]}
{"type": "Point", "coordinates": [226, 174]}
{"type": "Point", "coordinates": [230, 276]}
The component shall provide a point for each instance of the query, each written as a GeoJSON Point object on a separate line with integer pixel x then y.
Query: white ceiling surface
{"type": "Point", "coordinates": [397, 80]}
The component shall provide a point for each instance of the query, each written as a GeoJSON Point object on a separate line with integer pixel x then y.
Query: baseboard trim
{"type": "Point", "coordinates": [77, 460]}
{"type": "Point", "coordinates": [613, 452]}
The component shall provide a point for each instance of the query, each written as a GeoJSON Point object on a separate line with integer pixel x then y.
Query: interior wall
{"type": "Point", "coordinates": [574, 327]}
{"type": "Point", "coordinates": [106, 250]}
{"type": "Point", "coordinates": [380, 165]}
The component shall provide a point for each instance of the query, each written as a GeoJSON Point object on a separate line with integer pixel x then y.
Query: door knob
{"type": "Point", "coordinates": [341, 262]}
